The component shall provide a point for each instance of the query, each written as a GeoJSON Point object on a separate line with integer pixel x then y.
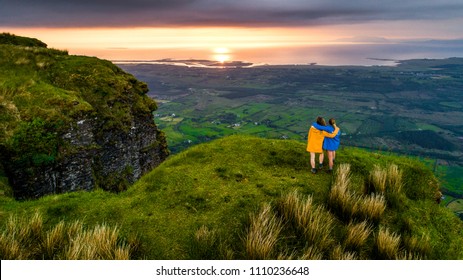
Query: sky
{"type": "Point", "coordinates": [267, 31]}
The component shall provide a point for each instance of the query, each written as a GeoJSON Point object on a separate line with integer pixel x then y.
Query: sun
{"type": "Point", "coordinates": [221, 54]}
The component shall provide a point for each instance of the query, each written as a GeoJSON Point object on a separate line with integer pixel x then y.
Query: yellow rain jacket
{"type": "Point", "coordinates": [315, 139]}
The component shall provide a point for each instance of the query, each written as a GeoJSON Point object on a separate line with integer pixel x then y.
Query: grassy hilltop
{"type": "Point", "coordinates": [245, 197]}
{"type": "Point", "coordinates": [50, 87]}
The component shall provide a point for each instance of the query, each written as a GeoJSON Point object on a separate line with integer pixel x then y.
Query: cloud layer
{"type": "Point", "coordinates": [148, 13]}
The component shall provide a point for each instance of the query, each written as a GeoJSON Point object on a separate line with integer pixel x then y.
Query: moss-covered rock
{"type": "Point", "coordinates": [68, 121]}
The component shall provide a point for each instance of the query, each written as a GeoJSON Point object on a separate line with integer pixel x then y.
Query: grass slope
{"type": "Point", "coordinates": [45, 92]}
{"type": "Point", "coordinates": [214, 188]}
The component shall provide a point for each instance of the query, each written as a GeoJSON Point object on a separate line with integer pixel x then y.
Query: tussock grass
{"type": "Point", "coordinates": [24, 238]}
{"type": "Point", "coordinates": [318, 227]}
{"type": "Point", "coordinates": [406, 255]}
{"type": "Point", "coordinates": [263, 234]}
{"type": "Point", "coordinates": [205, 236]}
{"type": "Point", "coordinates": [387, 244]}
{"type": "Point", "coordinates": [10, 248]}
{"type": "Point", "coordinates": [341, 200]}
{"type": "Point", "coordinates": [357, 234]}
{"type": "Point", "coordinates": [372, 206]}
{"type": "Point", "coordinates": [55, 239]}
{"type": "Point", "coordinates": [386, 180]}
{"type": "Point", "coordinates": [349, 205]}
{"type": "Point", "coordinates": [343, 176]}
{"type": "Point", "coordinates": [206, 244]}
{"type": "Point", "coordinates": [338, 253]}
{"type": "Point", "coordinates": [378, 178]}
{"type": "Point", "coordinates": [314, 222]}
{"type": "Point", "coordinates": [419, 246]}
{"type": "Point", "coordinates": [312, 253]}
{"type": "Point", "coordinates": [394, 178]}
{"type": "Point", "coordinates": [101, 242]}
{"type": "Point", "coordinates": [289, 205]}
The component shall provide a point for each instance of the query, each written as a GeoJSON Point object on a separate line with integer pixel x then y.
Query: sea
{"type": "Point", "coordinates": [361, 54]}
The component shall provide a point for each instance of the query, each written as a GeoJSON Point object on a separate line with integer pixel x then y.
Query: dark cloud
{"type": "Point", "coordinates": [87, 13]}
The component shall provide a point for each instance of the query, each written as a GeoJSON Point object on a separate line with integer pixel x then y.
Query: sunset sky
{"type": "Point", "coordinates": [273, 31]}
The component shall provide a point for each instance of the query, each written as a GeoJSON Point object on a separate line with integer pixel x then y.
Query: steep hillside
{"type": "Point", "coordinates": [216, 200]}
{"type": "Point", "coordinates": [72, 122]}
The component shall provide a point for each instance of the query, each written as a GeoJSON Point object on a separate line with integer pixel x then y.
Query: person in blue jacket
{"type": "Point", "coordinates": [331, 145]}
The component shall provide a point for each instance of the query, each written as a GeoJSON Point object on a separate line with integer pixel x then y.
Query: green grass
{"type": "Point", "coordinates": [25, 238]}
{"type": "Point", "coordinates": [207, 194]}
{"type": "Point", "coordinates": [45, 92]}
{"type": "Point", "coordinates": [452, 178]}
{"type": "Point", "coordinates": [456, 205]}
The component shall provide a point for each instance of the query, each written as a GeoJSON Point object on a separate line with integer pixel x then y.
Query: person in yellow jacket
{"type": "Point", "coordinates": [317, 133]}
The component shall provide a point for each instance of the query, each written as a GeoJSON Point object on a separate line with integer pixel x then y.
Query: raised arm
{"type": "Point", "coordinates": [331, 135]}
{"type": "Point", "coordinates": [327, 128]}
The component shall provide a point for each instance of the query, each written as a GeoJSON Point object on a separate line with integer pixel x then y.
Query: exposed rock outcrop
{"type": "Point", "coordinates": [111, 160]}
{"type": "Point", "coordinates": [72, 123]}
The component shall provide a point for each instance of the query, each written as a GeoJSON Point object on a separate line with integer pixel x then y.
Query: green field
{"type": "Point", "coordinates": [456, 205]}
{"type": "Point", "coordinates": [394, 108]}
{"type": "Point", "coordinates": [452, 179]}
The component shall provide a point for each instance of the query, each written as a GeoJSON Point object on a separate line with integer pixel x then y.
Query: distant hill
{"type": "Point", "coordinates": [71, 122]}
{"type": "Point", "coordinates": [217, 200]}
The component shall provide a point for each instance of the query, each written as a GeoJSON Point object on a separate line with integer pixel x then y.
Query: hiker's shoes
{"type": "Point", "coordinates": [315, 170]}
{"type": "Point", "coordinates": [320, 166]}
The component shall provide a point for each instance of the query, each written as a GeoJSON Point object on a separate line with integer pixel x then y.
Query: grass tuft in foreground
{"type": "Point", "coordinates": [27, 239]}
{"type": "Point", "coordinates": [387, 244]}
{"type": "Point", "coordinates": [263, 234]}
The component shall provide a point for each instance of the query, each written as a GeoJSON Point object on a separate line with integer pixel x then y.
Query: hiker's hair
{"type": "Point", "coordinates": [321, 121]}
{"type": "Point", "coordinates": [332, 122]}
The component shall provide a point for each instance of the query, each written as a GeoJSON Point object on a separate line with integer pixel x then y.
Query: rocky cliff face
{"type": "Point", "coordinates": [111, 160]}
{"type": "Point", "coordinates": [72, 123]}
